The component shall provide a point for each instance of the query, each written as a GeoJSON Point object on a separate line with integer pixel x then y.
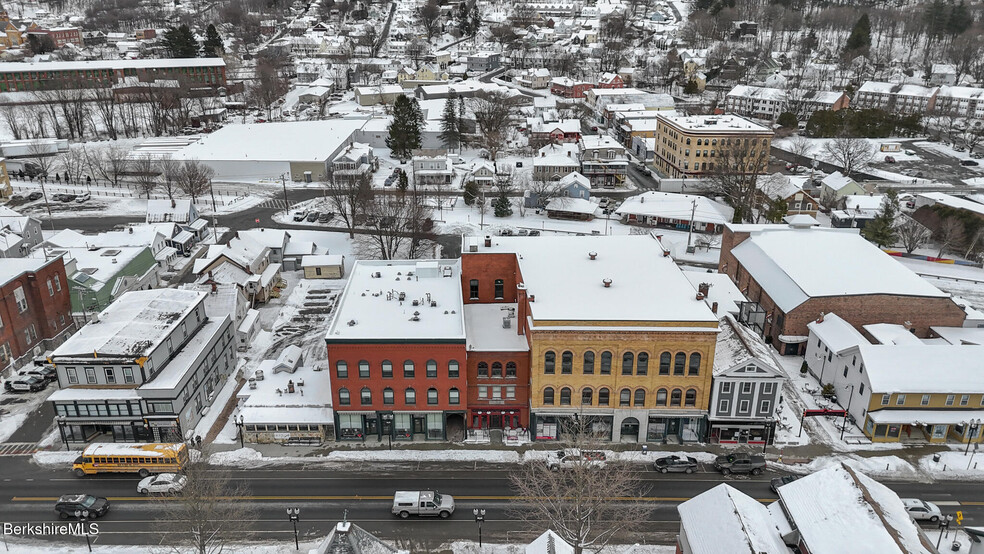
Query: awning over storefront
{"type": "Point", "coordinates": [929, 417]}
{"type": "Point", "coordinates": [793, 339]}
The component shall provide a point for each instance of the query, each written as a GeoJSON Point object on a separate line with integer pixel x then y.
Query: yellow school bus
{"type": "Point", "coordinates": [142, 459]}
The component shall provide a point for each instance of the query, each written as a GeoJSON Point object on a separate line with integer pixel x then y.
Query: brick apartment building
{"type": "Point", "coordinates": [690, 146]}
{"type": "Point", "coordinates": [21, 76]}
{"type": "Point", "coordinates": [569, 88]}
{"type": "Point", "coordinates": [61, 36]}
{"type": "Point", "coordinates": [792, 273]}
{"type": "Point", "coordinates": [35, 308]}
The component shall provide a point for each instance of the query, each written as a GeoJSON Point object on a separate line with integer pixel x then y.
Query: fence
{"type": "Point", "coordinates": [123, 190]}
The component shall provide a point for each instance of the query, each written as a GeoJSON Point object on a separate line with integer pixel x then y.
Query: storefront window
{"type": "Point", "coordinates": [350, 426]}
{"type": "Point", "coordinates": [401, 426]}
{"type": "Point", "coordinates": [435, 426]}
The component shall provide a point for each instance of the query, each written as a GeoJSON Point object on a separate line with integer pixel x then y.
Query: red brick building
{"type": "Point", "coordinates": [792, 273]}
{"type": "Point", "coordinates": [610, 80]}
{"type": "Point", "coordinates": [20, 76]}
{"type": "Point", "coordinates": [569, 88]}
{"type": "Point", "coordinates": [63, 35]}
{"type": "Point", "coordinates": [35, 308]}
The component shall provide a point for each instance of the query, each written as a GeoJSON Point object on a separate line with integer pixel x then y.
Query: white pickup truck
{"type": "Point", "coordinates": [422, 503]}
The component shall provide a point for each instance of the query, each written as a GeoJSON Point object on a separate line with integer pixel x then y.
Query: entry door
{"type": "Point", "coordinates": [672, 427]}
{"type": "Point", "coordinates": [372, 427]}
{"type": "Point", "coordinates": [387, 427]}
{"type": "Point", "coordinates": [496, 422]}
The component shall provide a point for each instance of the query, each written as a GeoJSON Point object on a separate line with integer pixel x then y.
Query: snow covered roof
{"type": "Point", "coordinates": [794, 264]}
{"type": "Point", "coordinates": [563, 154]}
{"type": "Point", "coordinates": [163, 63]}
{"type": "Point", "coordinates": [864, 202]}
{"type": "Point", "coordinates": [722, 290]}
{"type": "Point", "coordinates": [265, 405]}
{"type": "Point", "coordinates": [97, 265]}
{"type": "Point", "coordinates": [891, 333]}
{"type": "Point", "coordinates": [676, 206]}
{"type": "Point", "coordinates": [12, 268]}
{"type": "Point", "coordinates": [757, 93]}
{"type": "Point", "coordinates": [349, 538]}
{"type": "Point", "coordinates": [836, 333]}
{"type": "Point", "coordinates": [321, 260]}
{"type": "Point", "coordinates": [272, 238]}
{"type": "Point", "coordinates": [953, 202]}
{"type": "Point", "coordinates": [133, 325]}
{"type": "Point", "coordinates": [904, 368]}
{"type": "Point", "coordinates": [738, 345]}
{"type": "Point", "coordinates": [724, 520]}
{"type": "Point", "coordinates": [569, 286]}
{"type": "Point", "coordinates": [486, 333]}
{"type": "Point", "coordinates": [575, 178]}
{"type": "Point", "coordinates": [571, 205]}
{"type": "Point", "coordinates": [591, 142]}
{"type": "Point", "coordinates": [715, 123]}
{"type": "Point", "coordinates": [160, 211]}
{"type": "Point", "coordinates": [960, 335]}
{"type": "Point", "coordinates": [378, 302]}
{"type": "Point", "coordinates": [857, 514]}
{"type": "Point", "coordinates": [968, 93]}
{"type": "Point", "coordinates": [220, 302]}
{"type": "Point", "coordinates": [281, 141]}
{"type": "Point", "coordinates": [549, 543]}
{"type": "Point", "coordinates": [178, 367]}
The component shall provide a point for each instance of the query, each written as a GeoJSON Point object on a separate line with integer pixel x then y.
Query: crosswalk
{"type": "Point", "coordinates": [18, 448]}
{"type": "Point", "coordinates": [273, 203]}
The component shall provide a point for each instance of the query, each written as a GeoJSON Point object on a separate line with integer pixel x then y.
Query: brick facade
{"type": "Point", "coordinates": [47, 314]}
{"type": "Point", "coordinates": [486, 269]}
{"type": "Point", "coordinates": [502, 370]}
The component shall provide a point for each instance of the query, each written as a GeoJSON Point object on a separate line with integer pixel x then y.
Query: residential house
{"type": "Point", "coordinates": [610, 80]}
{"type": "Point", "coordinates": [603, 160]}
{"type": "Point", "coordinates": [19, 234]}
{"type": "Point", "coordinates": [857, 210]}
{"type": "Point", "coordinates": [569, 88]}
{"type": "Point", "coordinates": [836, 186]}
{"type": "Point", "coordinates": [354, 164]}
{"type": "Point", "coordinates": [229, 300]}
{"type": "Point", "coordinates": [780, 187]}
{"type": "Point", "coordinates": [277, 240]}
{"type": "Point", "coordinates": [943, 74]}
{"type": "Point", "coordinates": [533, 78]}
{"type": "Point", "coordinates": [180, 210]}
{"type": "Point", "coordinates": [788, 286]}
{"type": "Point", "coordinates": [577, 209]}
{"type": "Point", "coordinates": [675, 211]}
{"type": "Point", "coordinates": [484, 62]}
{"type": "Point", "coordinates": [483, 173]}
{"type": "Point", "coordinates": [572, 185]}
{"type": "Point", "coordinates": [323, 266]}
{"type": "Point", "coordinates": [554, 161]}
{"type": "Point", "coordinates": [242, 261]}
{"type": "Point", "coordinates": [689, 146]}
{"type": "Point", "coordinates": [146, 369]}
{"type": "Point", "coordinates": [564, 130]}
{"type": "Point", "coordinates": [904, 99]}
{"type": "Point", "coordinates": [431, 167]}
{"type": "Point", "coordinates": [35, 308]}
{"type": "Point", "coordinates": [383, 94]}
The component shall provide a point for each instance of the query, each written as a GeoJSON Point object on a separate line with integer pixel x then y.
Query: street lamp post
{"type": "Point", "coordinates": [240, 423]}
{"type": "Point", "coordinates": [83, 517]}
{"type": "Point", "coordinates": [294, 515]}
{"type": "Point", "coordinates": [944, 523]}
{"type": "Point", "coordinates": [974, 425]}
{"type": "Point", "coordinates": [283, 181]}
{"type": "Point", "coordinates": [479, 518]}
{"type": "Point", "coordinates": [61, 429]}
{"type": "Point", "coordinates": [844, 423]}
{"type": "Point", "coordinates": [822, 368]}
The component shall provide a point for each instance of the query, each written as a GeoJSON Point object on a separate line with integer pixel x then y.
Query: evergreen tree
{"type": "Point", "coordinates": [471, 192]}
{"type": "Point", "coordinates": [860, 39]}
{"type": "Point", "coordinates": [213, 42]}
{"type": "Point", "coordinates": [403, 182]}
{"type": "Point", "coordinates": [180, 42]}
{"type": "Point", "coordinates": [404, 130]}
{"type": "Point", "coordinates": [450, 131]}
{"type": "Point", "coordinates": [881, 230]}
{"type": "Point", "coordinates": [787, 120]}
{"type": "Point", "coordinates": [960, 19]}
{"type": "Point", "coordinates": [502, 206]}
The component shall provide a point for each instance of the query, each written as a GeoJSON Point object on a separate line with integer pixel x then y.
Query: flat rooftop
{"type": "Point", "coordinates": [485, 330]}
{"type": "Point", "coordinates": [295, 141]}
{"type": "Point", "coordinates": [9, 67]}
{"type": "Point", "coordinates": [133, 325]}
{"type": "Point", "coordinates": [714, 123]}
{"type": "Point", "coordinates": [402, 300]}
{"type": "Point", "coordinates": [569, 285]}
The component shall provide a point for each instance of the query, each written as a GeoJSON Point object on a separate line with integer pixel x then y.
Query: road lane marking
{"type": "Point", "coordinates": [347, 497]}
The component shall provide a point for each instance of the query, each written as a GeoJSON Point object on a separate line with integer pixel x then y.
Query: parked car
{"type": "Point", "coordinates": [422, 503]}
{"type": "Point", "coordinates": [535, 233]}
{"type": "Point", "coordinates": [780, 481]}
{"type": "Point", "coordinates": [506, 232]}
{"type": "Point", "coordinates": [324, 217]}
{"type": "Point", "coordinates": [169, 483]}
{"type": "Point", "coordinates": [57, 197]}
{"type": "Point", "coordinates": [312, 217]}
{"type": "Point", "coordinates": [84, 197]}
{"type": "Point", "coordinates": [572, 457]}
{"type": "Point", "coordinates": [68, 197]}
{"type": "Point", "coordinates": [46, 374]}
{"type": "Point", "coordinates": [25, 384]}
{"type": "Point", "coordinates": [523, 232]}
{"type": "Point", "coordinates": [920, 510]}
{"type": "Point", "coordinates": [969, 163]}
{"type": "Point", "coordinates": [675, 464]}
{"type": "Point", "coordinates": [910, 152]}
{"type": "Point", "coordinates": [890, 159]}
{"type": "Point", "coordinates": [88, 505]}
{"type": "Point", "coordinates": [740, 463]}
{"type": "Point", "coordinates": [300, 215]}
{"type": "Point", "coordinates": [36, 195]}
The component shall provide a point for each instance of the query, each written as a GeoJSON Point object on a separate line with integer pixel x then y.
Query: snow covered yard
{"type": "Point", "coordinates": [955, 464]}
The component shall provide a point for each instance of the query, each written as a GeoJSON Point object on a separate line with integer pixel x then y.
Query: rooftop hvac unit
{"type": "Point", "coordinates": [259, 374]}
{"type": "Point", "coordinates": [506, 323]}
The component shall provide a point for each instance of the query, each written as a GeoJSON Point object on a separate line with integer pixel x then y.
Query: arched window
{"type": "Point", "coordinates": [366, 396]}
{"type": "Point", "coordinates": [343, 397]}
{"type": "Point", "coordinates": [499, 289]}
{"type": "Point", "coordinates": [548, 396]}
{"type": "Point", "coordinates": [410, 396]}
{"type": "Point", "coordinates": [679, 362]}
{"type": "Point", "coordinates": [675, 397]}
{"type": "Point", "coordinates": [589, 363]}
{"type": "Point", "coordinates": [694, 364]}
{"type": "Point", "coordinates": [453, 369]}
{"type": "Point", "coordinates": [483, 369]}
{"type": "Point", "coordinates": [587, 396]}
{"type": "Point", "coordinates": [661, 397]}
{"type": "Point", "coordinates": [627, 360]}
{"type": "Point", "coordinates": [640, 397]}
{"type": "Point", "coordinates": [565, 396]}
{"type": "Point", "coordinates": [341, 369]}
{"type": "Point", "coordinates": [606, 363]}
{"type": "Point", "coordinates": [510, 369]}
{"type": "Point", "coordinates": [603, 397]}
{"type": "Point", "coordinates": [454, 397]}
{"type": "Point", "coordinates": [642, 363]}
{"type": "Point", "coordinates": [387, 368]}
{"type": "Point", "coordinates": [691, 398]}
{"type": "Point", "coordinates": [625, 397]}
{"type": "Point", "coordinates": [549, 361]}
{"type": "Point", "coordinates": [408, 370]}
{"type": "Point", "coordinates": [496, 369]}
{"type": "Point", "coordinates": [431, 369]}
{"type": "Point", "coordinates": [664, 363]}
{"type": "Point", "coordinates": [363, 369]}
{"type": "Point", "coordinates": [432, 396]}
{"type": "Point", "coordinates": [387, 395]}
{"type": "Point", "coordinates": [566, 362]}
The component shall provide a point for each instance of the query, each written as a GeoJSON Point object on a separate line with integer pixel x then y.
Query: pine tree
{"type": "Point", "coordinates": [450, 132]}
{"type": "Point", "coordinates": [502, 206]}
{"type": "Point", "coordinates": [403, 183]}
{"type": "Point", "coordinates": [404, 130]}
{"type": "Point", "coordinates": [213, 42]}
{"type": "Point", "coordinates": [471, 192]}
{"type": "Point", "coordinates": [860, 39]}
{"type": "Point", "coordinates": [881, 230]}
{"type": "Point", "coordinates": [180, 42]}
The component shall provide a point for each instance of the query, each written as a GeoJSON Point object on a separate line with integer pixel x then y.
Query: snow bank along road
{"type": "Point", "coordinates": [27, 494]}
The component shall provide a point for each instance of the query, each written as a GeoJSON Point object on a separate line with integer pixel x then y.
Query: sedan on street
{"type": "Point", "coordinates": [675, 464]}
{"type": "Point", "coordinates": [164, 483]}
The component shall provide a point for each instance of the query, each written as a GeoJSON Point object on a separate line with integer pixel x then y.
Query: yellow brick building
{"type": "Point", "coordinates": [695, 146]}
{"type": "Point", "coordinates": [5, 189]}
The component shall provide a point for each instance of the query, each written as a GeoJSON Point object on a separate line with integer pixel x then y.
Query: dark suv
{"type": "Point", "coordinates": [88, 505]}
{"type": "Point", "coordinates": [740, 463]}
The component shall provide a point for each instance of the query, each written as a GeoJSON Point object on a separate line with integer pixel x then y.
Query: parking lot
{"type": "Point", "coordinates": [935, 161]}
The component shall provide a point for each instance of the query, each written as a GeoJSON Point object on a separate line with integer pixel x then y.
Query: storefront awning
{"type": "Point", "coordinates": [793, 339]}
{"type": "Point", "coordinates": [930, 417]}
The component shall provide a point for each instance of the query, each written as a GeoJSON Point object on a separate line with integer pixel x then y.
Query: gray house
{"type": "Point", "coordinates": [746, 390]}
{"type": "Point", "coordinates": [572, 185]}
{"type": "Point", "coordinates": [18, 233]}
{"type": "Point", "coordinates": [484, 61]}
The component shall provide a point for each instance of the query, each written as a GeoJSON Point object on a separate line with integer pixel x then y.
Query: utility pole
{"type": "Point", "coordinates": [283, 181]}
{"type": "Point", "coordinates": [693, 213]}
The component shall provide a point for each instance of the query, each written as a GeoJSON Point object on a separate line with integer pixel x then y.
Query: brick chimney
{"type": "Point", "coordinates": [521, 309]}
{"type": "Point", "coordinates": [714, 307]}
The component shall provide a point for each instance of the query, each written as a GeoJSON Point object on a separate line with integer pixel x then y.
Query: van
{"type": "Point", "coordinates": [84, 197]}
{"type": "Point", "coordinates": [422, 503]}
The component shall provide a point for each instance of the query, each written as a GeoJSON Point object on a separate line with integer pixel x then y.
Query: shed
{"type": "Point", "coordinates": [323, 266]}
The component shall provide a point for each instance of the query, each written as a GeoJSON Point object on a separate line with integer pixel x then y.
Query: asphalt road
{"type": "Point", "coordinates": [324, 494]}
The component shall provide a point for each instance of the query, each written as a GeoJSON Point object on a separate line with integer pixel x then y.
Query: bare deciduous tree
{"type": "Point", "coordinates": [110, 164]}
{"type": "Point", "coordinates": [74, 163]}
{"type": "Point", "coordinates": [801, 146]}
{"type": "Point", "coordinates": [949, 234]}
{"type": "Point", "coordinates": [13, 117]}
{"type": "Point", "coordinates": [577, 501]}
{"type": "Point", "coordinates": [194, 178]}
{"type": "Point", "coordinates": [42, 154]}
{"type": "Point", "coordinates": [911, 233]}
{"type": "Point", "coordinates": [348, 202]}
{"type": "Point", "coordinates": [170, 174]}
{"type": "Point", "coordinates": [394, 227]}
{"type": "Point", "coordinates": [735, 176]}
{"type": "Point", "coordinates": [852, 153]}
{"type": "Point", "coordinates": [494, 111]}
{"type": "Point", "coordinates": [146, 173]}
